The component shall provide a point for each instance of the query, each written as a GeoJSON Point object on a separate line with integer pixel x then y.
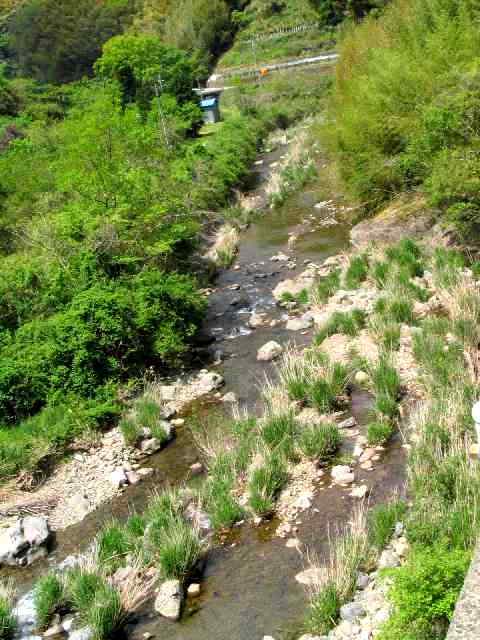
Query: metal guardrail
{"type": "Point", "coordinates": [261, 69]}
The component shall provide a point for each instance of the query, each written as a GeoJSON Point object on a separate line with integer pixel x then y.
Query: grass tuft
{"type": "Point", "coordinates": [265, 483]}
{"type": "Point", "coordinates": [357, 271]}
{"type": "Point", "coordinates": [319, 442]}
{"type": "Point", "coordinates": [349, 323]}
{"type": "Point", "coordinates": [8, 622]}
{"type": "Point", "coordinates": [49, 597]}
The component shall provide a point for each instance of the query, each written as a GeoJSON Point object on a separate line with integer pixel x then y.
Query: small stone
{"type": "Point", "coordinates": [196, 468]}
{"type": "Point", "coordinates": [363, 580]}
{"type": "Point", "coordinates": [352, 611]}
{"type": "Point", "coordinates": [359, 492]}
{"type": "Point", "coordinates": [348, 423]}
{"type": "Point", "coordinates": [177, 422]}
{"type": "Point", "coordinates": [388, 560]}
{"type": "Point", "coordinates": [133, 477]}
{"type": "Point", "coordinates": [304, 501]}
{"type": "Point", "coordinates": [257, 521]}
{"type": "Point", "coordinates": [368, 454]}
{"type": "Point", "coordinates": [269, 351]}
{"type": "Point", "coordinates": [152, 445]}
{"type": "Point", "coordinates": [118, 477]}
{"type": "Point", "coordinates": [293, 543]}
{"type": "Point", "coordinates": [145, 471]}
{"type": "Point", "coordinates": [230, 397]}
{"type": "Point", "coordinates": [67, 623]}
{"type": "Point", "coordinates": [168, 602]}
{"type": "Point", "coordinates": [367, 466]}
{"type": "Point", "coordinates": [257, 320]}
{"type": "Point", "coordinates": [342, 474]}
{"type": "Point", "coordinates": [194, 590]}
{"type": "Point", "coordinates": [399, 529]}
{"type": "Point", "coordinates": [361, 377]}
{"type": "Point", "coordinates": [401, 547]}
{"type": "Point", "coordinates": [312, 576]}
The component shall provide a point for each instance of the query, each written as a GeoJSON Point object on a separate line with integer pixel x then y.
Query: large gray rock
{"type": "Point", "coordinates": [342, 474]}
{"type": "Point", "coordinates": [351, 611]}
{"type": "Point", "coordinates": [209, 381]}
{"type": "Point", "coordinates": [168, 602]}
{"type": "Point", "coordinates": [25, 541]}
{"type": "Point", "coordinates": [269, 351]}
{"type": "Point", "coordinates": [300, 323]}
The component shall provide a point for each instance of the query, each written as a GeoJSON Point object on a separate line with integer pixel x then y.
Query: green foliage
{"type": "Point", "coordinates": [265, 483]}
{"type": "Point", "coordinates": [105, 615]}
{"type": "Point", "coordinates": [179, 550]}
{"type": "Point", "coordinates": [8, 622]}
{"type": "Point", "coordinates": [60, 43]}
{"type": "Point", "coordinates": [319, 442]}
{"type": "Point", "coordinates": [324, 391]}
{"type": "Point", "coordinates": [220, 503]}
{"type": "Point", "coordinates": [112, 546]}
{"type": "Point", "coordinates": [137, 62]}
{"type": "Point", "coordinates": [324, 610]}
{"type": "Point", "coordinates": [131, 431]}
{"type": "Point", "coordinates": [148, 415]}
{"type": "Point", "coordinates": [82, 586]}
{"type": "Point", "coordinates": [379, 432]}
{"type": "Point", "coordinates": [425, 591]}
{"type": "Point", "coordinates": [385, 143]}
{"type": "Point", "coordinates": [395, 310]}
{"type": "Point", "coordinates": [328, 285]}
{"type": "Point", "coordinates": [278, 431]}
{"type": "Point", "coordinates": [357, 271]}
{"type": "Point", "coordinates": [349, 323]}
{"type": "Point", "coordinates": [49, 596]}
{"type": "Point", "coordinates": [382, 520]}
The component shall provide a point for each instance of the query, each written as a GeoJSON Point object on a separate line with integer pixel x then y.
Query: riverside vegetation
{"type": "Point", "coordinates": [101, 215]}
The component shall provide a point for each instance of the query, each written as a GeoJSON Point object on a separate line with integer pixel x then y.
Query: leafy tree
{"type": "Point", "coordinates": [142, 65]}
{"type": "Point", "coordinates": [59, 41]}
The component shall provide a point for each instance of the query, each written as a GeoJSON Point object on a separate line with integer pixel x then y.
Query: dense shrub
{"type": "Point", "coordinates": [407, 106]}
{"type": "Point", "coordinates": [424, 593]}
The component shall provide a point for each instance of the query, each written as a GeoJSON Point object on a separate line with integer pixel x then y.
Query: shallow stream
{"type": "Point", "coordinates": [249, 588]}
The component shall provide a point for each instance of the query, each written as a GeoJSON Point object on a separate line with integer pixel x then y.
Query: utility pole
{"type": "Point", "coordinates": [161, 116]}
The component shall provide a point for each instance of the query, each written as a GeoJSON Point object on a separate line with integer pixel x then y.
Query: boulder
{"type": "Point", "coordinates": [168, 602]}
{"type": "Point", "coordinates": [194, 590]}
{"type": "Point", "coordinates": [388, 560]}
{"type": "Point", "coordinates": [257, 320]}
{"type": "Point", "coordinates": [118, 477]}
{"type": "Point", "coordinates": [209, 381]}
{"type": "Point", "coordinates": [25, 541]}
{"type": "Point", "coordinates": [269, 351]}
{"type": "Point", "coordinates": [79, 506]}
{"type": "Point", "coordinates": [85, 633]}
{"type": "Point", "coordinates": [312, 576]}
{"type": "Point", "coordinates": [348, 423]}
{"type": "Point", "coordinates": [359, 492]}
{"type": "Point", "coordinates": [230, 397]}
{"type": "Point", "coordinates": [361, 377]}
{"type": "Point", "coordinates": [352, 611]}
{"type": "Point", "coordinates": [301, 323]}
{"type": "Point", "coordinates": [151, 445]}
{"type": "Point", "coordinates": [342, 474]}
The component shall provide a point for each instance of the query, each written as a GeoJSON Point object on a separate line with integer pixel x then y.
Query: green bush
{"type": "Point", "coordinates": [113, 546]}
{"type": "Point", "coordinates": [348, 323]}
{"type": "Point", "coordinates": [279, 431]}
{"type": "Point", "coordinates": [382, 520]}
{"type": "Point", "coordinates": [105, 614]}
{"type": "Point", "coordinates": [328, 285]}
{"type": "Point", "coordinates": [49, 596]}
{"type": "Point", "coordinates": [8, 622]}
{"type": "Point", "coordinates": [222, 507]}
{"type": "Point", "coordinates": [324, 610]}
{"type": "Point", "coordinates": [425, 591]}
{"type": "Point", "coordinates": [384, 141]}
{"type": "Point", "coordinates": [82, 585]}
{"type": "Point", "coordinates": [148, 415]}
{"type": "Point", "coordinates": [265, 483]}
{"type": "Point", "coordinates": [179, 550]}
{"type": "Point", "coordinates": [319, 442]}
{"type": "Point", "coordinates": [131, 431]}
{"type": "Point", "coordinates": [379, 433]}
{"type": "Point", "coordinates": [357, 271]}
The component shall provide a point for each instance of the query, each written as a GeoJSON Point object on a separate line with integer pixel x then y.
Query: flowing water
{"type": "Point", "coordinates": [249, 588]}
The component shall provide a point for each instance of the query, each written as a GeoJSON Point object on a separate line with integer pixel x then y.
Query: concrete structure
{"type": "Point", "coordinates": [210, 104]}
